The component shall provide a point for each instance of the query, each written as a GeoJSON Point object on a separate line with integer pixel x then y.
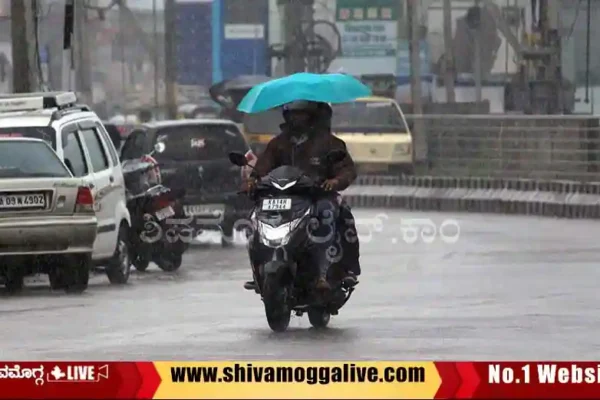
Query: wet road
{"type": "Point", "coordinates": [508, 288]}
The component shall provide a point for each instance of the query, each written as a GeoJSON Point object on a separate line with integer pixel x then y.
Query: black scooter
{"type": "Point", "coordinates": [153, 207]}
{"type": "Point", "coordinates": [283, 270]}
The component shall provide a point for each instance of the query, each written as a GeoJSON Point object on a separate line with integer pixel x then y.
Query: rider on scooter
{"type": "Point", "coordinates": [305, 137]}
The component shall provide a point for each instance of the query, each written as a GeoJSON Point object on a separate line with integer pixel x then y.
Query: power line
{"type": "Point", "coordinates": [572, 28]}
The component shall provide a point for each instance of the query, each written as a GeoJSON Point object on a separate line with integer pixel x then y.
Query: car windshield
{"type": "Point", "coordinates": [22, 159]}
{"type": "Point", "coordinates": [201, 142]}
{"type": "Point", "coordinates": [264, 122]}
{"type": "Point", "coordinates": [372, 114]}
{"type": "Point", "coordinates": [45, 133]}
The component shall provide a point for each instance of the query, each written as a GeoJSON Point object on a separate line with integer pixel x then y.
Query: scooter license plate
{"type": "Point", "coordinates": [276, 204]}
{"type": "Point", "coordinates": [165, 213]}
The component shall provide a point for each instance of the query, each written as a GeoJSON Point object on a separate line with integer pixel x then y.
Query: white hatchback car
{"type": "Point", "coordinates": [81, 141]}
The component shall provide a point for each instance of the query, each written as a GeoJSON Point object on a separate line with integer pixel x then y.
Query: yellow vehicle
{"type": "Point", "coordinates": [374, 129]}
{"type": "Point", "coordinates": [376, 134]}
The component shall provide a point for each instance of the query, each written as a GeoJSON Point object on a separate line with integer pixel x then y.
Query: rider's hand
{"type": "Point", "coordinates": [249, 184]}
{"type": "Point", "coordinates": [330, 184]}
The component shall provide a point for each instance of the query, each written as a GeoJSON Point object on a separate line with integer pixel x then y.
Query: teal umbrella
{"type": "Point", "coordinates": [327, 88]}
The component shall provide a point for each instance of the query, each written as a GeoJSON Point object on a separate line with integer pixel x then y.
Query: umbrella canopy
{"type": "Point", "coordinates": [327, 88]}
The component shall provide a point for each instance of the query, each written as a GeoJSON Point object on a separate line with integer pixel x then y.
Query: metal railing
{"type": "Point", "coordinates": [509, 146]}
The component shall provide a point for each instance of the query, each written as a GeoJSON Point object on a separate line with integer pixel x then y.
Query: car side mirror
{"type": "Point", "coordinates": [238, 159]}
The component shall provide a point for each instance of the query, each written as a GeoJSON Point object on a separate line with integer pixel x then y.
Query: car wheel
{"type": "Point", "coordinates": [74, 275]}
{"type": "Point", "coordinates": [119, 267]}
{"type": "Point", "coordinates": [13, 280]}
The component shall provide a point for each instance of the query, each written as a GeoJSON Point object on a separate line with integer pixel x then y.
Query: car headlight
{"type": "Point", "coordinates": [402, 148]}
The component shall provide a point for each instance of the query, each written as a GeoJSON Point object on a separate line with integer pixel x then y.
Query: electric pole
{"type": "Point", "coordinates": [23, 46]}
{"type": "Point", "coordinates": [156, 70]}
{"type": "Point", "coordinates": [415, 80]}
{"type": "Point", "coordinates": [477, 41]}
{"type": "Point", "coordinates": [293, 12]}
{"type": "Point", "coordinates": [415, 55]}
{"type": "Point", "coordinates": [67, 47]}
{"type": "Point", "coordinates": [448, 53]}
{"type": "Point", "coordinates": [171, 58]}
{"type": "Point", "coordinates": [83, 67]}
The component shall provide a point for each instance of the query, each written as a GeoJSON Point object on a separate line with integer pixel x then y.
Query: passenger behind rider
{"type": "Point", "coordinates": [304, 140]}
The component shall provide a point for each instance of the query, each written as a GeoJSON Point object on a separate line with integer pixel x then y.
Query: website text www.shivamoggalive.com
{"type": "Point", "coordinates": [345, 373]}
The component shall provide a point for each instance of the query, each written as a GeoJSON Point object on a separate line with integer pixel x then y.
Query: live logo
{"type": "Point", "coordinates": [78, 373]}
{"type": "Point", "coordinates": [81, 373]}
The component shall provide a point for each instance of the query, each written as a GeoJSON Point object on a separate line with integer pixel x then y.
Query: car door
{"type": "Point", "coordinates": [75, 157]}
{"type": "Point", "coordinates": [103, 190]}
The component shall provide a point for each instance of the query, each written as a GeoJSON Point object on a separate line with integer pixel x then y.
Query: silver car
{"type": "Point", "coordinates": [47, 217]}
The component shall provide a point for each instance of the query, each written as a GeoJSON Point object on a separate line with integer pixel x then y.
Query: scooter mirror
{"type": "Point", "coordinates": [159, 147]}
{"type": "Point", "coordinates": [238, 159]}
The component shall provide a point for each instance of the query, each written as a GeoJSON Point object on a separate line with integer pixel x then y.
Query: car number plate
{"type": "Point", "coordinates": [10, 201]}
{"type": "Point", "coordinates": [165, 213]}
{"type": "Point", "coordinates": [214, 210]}
{"type": "Point", "coordinates": [276, 204]}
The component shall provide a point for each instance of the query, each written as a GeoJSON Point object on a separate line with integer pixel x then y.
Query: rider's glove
{"type": "Point", "coordinates": [249, 184]}
{"type": "Point", "coordinates": [330, 184]}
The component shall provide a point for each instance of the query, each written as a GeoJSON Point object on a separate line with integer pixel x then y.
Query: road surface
{"type": "Point", "coordinates": [510, 287]}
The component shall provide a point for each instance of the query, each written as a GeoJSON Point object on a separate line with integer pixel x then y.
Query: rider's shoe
{"type": "Point", "coordinates": [350, 280]}
{"type": "Point", "coordinates": [250, 285]}
{"type": "Point", "coordinates": [323, 285]}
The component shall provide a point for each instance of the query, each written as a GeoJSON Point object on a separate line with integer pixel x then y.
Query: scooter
{"type": "Point", "coordinates": [284, 273]}
{"type": "Point", "coordinates": [152, 206]}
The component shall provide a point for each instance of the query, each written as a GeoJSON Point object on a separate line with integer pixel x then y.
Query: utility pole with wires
{"type": "Point", "coordinates": [25, 70]}
{"type": "Point", "coordinates": [448, 53]}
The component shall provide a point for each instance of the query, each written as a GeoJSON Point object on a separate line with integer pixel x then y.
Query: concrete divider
{"type": "Point", "coordinates": [567, 199]}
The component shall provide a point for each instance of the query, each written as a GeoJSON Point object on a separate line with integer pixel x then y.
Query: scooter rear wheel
{"type": "Point", "coordinates": [141, 263]}
{"type": "Point", "coordinates": [171, 263]}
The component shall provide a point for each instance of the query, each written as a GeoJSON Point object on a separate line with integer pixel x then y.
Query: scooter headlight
{"type": "Point", "coordinates": [276, 236]}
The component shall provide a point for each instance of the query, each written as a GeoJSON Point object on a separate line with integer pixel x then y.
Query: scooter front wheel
{"type": "Point", "coordinates": [319, 317]}
{"type": "Point", "coordinates": [276, 308]}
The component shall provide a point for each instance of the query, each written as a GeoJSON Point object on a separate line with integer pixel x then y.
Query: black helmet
{"type": "Point", "coordinates": [301, 105]}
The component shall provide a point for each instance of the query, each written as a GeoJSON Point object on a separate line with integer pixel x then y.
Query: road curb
{"type": "Point", "coordinates": [565, 199]}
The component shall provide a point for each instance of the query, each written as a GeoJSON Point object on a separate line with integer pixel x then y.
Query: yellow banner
{"type": "Point", "coordinates": [297, 380]}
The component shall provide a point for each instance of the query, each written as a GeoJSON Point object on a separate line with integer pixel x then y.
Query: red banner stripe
{"type": "Point", "coordinates": [469, 380]}
{"type": "Point", "coordinates": [450, 380]}
{"type": "Point", "coordinates": [150, 380]}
